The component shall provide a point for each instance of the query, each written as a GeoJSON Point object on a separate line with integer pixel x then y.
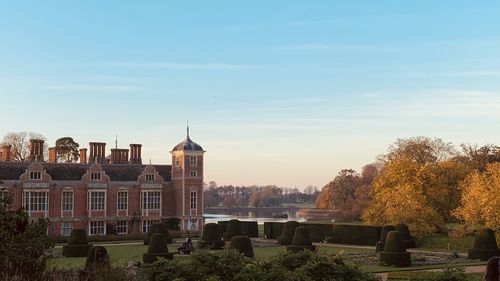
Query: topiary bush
{"type": "Point", "coordinates": [242, 244]}
{"type": "Point", "coordinates": [211, 237]}
{"type": "Point", "coordinates": [233, 229]}
{"type": "Point", "coordinates": [288, 232]}
{"type": "Point", "coordinates": [157, 248]}
{"type": "Point", "coordinates": [158, 228]}
{"type": "Point", "coordinates": [250, 228]}
{"type": "Point", "coordinates": [97, 257]}
{"type": "Point", "coordinates": [409, 240]}
{"type": "Point", "coordinates": [383, 235]}
{"type": "Point", "coordinates": [395, 251]}
{"type": "Point", "coordinates": [485, 245]}
{"type": "Point", "coordinates": [78, 245]}
{"type": "Point", "coordinates": [301, 240]}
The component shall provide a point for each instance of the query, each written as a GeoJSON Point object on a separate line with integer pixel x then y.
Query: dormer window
{"type": "Point", "coordinates": [95, 176]}
{"type": "Point", "coordinates": [193, 160]}
{"type": "Point", "coordinates": [35, 175]}
{"type": "Point", "coordinates": [150, 177]}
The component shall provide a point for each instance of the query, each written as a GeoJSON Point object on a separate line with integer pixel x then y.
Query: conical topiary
{"type": "Point", "coordinates": [409, 240]}
{"type": "Point", "coordinates": [301, 240]}
{"type": "Point", "coordinates": [395, 251]}
{"type": "Point", "coordinates": [233, 228]}
{"type": "Point", "coordinates": [157, 248]}
{"type": "Point", "coordinates": [157, 228]}
{"type": "Point", "coordinates": [485, 245]}
{"type": "Point", "coordinates": [288, 232]}
{"type": "Point", "coordinates": [211, 238]}
{"type": "Point", "coordinates": [97, 257]}
{"type": "Point", "coordinates": [242, 244]}
{"type": "Point", "coordinates": [78, 245]}
{"type": "Point", "coordinates": [383, 235]}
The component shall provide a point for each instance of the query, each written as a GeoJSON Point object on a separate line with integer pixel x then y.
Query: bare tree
{"type": "Point", "coordinates": [20, 142]}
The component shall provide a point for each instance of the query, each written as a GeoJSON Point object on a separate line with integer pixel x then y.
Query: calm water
{"type": "Point", "coordinates": [260, 217]}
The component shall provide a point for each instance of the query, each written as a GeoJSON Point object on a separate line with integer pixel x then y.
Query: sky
{"type": "Point", "coordinates": [276, 92]}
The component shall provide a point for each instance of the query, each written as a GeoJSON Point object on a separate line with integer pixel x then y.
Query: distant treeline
{"type": "Point", "coordinates": [256, 196]}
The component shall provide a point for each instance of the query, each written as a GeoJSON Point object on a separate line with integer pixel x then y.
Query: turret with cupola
{"type": "Point", "coordinates": [187, 179]}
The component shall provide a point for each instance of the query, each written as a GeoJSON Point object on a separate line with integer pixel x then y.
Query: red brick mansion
{"type": "Point", "coordinates": [103, 191]}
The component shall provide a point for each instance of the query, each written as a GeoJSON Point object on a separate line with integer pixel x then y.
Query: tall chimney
{"type": "Point", "coordinates": [52, 154]}
{"type": "Point", "coordinates": [36, 150]}
{"type": "Point", "coordinates": [119, 156]}
{"type": "Point", "coordinates": [97, 152]}
{"type": "Point", "coordinates": [135, 153]}
{"type": "Point", "coordinates": [6, 152]}
{"type": "Point", "coordinates": [83, 155]}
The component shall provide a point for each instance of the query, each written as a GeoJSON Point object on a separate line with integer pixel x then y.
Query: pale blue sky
{"type": "Point", "coordinates": [277, 92]}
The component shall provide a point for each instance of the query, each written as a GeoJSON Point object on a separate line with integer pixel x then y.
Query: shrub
{"type": "Point", "coordinates": [301, 240]}
{"type": "Point", "coordinates": [273, 229]}
{"type": "Point", "coordinates": [242, 244]}
{"type": "Point", "coordinates": [229, 265]}
{"type": "Point", "coordinates": [211, 237]}
{"type": "Point", "coordinates": [354, 234]}
{"type": "Point", "coordinates": [250, 228]}
{"type": "Point", "coordinates": [448, 274]}
{"type": "Point", "coordinates": [395, 251]}
{"type": "Point", "coordinates": [24, 247]}
{"type": "Point", "coordinates": [288, 232]}
{"type": "Point", "coordinates": [485, 245]}
{"type": "Point", "coordinates": [157, 228]}
{"type": "Point", "coordinates": [409, 240]}
{"type": "Point", "coordinates": [381, 242]}
{"type": "Point", "coordinates": [157, 248]}
{"type": "Point", "coordinates": [78, 245]}
{"type": "Point", "coordinates": [233, 229]}
{"type": "Point", "coordinates": [96, 258]}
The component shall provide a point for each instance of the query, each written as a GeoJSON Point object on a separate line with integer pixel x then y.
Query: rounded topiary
{"type": "Point", "coordinates": [157, 228]}
{"type": "Point", "coordinates": [157, 248]}
{"type": "Point", "coordinates": [288, 232]}
{"type": "Point", "coordinates": [485, 245]}
{"type": "Point", "coordinates": [233, 228]}
{"type": "Point", "coordinates": [395, 251]}
{"type": "Point", "coordinates": [301, 240]}
{"type": "Point", "coordinates": [383, 235]}
{"type": "Point", "coordinates": [78, 245]}
{"type": "Point", "coordinates": [409, 240]}
{"type": "Point", "coordinates": [211, 238]}
{"type": "Point", "coordinates": [97, 257]}
{"type": "Point", "coordinates": [242, 244]}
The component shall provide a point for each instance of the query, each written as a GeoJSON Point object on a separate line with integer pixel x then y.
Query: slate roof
{"type": "Point", "coordinates": [73, 171]}
{"type": "Point", "coordinates": [188, 144]}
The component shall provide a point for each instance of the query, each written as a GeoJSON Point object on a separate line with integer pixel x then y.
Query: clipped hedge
{"type": "Point", "coordinates": [379, 247]}
{"type": "Point", "coordinates": [157, 248]}
{"type": "Point", "coordinates": [242, 244]}
{"type": "Point", "coordinates": [301, 241]}
{"type": "Point", "coordinates": [485, 245]}
{"type": "Point", "coordinates": [395, 253]}
{"type": "Point", "coordinates": [409, 240]}
{"type": "Point", "coordinates": [97, 257]}
{"type": "Point", "coordinates": [211, 237]}
{"type": "Point", "coordinates": [77, 244]}
{"type": "Point", "coordinates": [273, 229]}
{"type": "Point", "coordinates": [233, 229]}
{"type": "Point", "coordinates": [158, 228]}
{"type": "Point", "coordinates": [249, 228]}
{"type": "Point", "coordinates": [288, 232]}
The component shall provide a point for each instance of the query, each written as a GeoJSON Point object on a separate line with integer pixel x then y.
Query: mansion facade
{"type": "Point", "coordinates": [113, 193]}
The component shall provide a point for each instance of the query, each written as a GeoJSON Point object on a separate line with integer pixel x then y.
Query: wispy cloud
{"type": "Point", "coordinates": [90, 87]}
{"type": "Point", "coordinates": [173, 65]}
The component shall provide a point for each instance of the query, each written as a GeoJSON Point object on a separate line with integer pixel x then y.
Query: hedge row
{"type": "Point", "coordinates": [250, 228]}
{"type": "Point", "coordinates": [353, 234]}
{"type": "Point", "coordinates": [119, 237]}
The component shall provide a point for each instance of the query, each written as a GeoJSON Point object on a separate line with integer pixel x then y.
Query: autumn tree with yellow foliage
{"type": "Point", "coordinates": [480, 201]}
{"type": "Point", "coordinates": [416, 184]}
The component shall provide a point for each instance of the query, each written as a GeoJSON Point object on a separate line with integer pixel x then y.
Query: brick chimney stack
{"type": "Point", "coordinates": [83, 155]}
{"type": "Point", "coordinates": [52, 154]}
{"type": "Point", "coordinates": [36, 150]}
{"type": "Point", "coordinates": [97, 152]}
{"type": "Point", "coordinates": [135, 154]}
{"type": "Point", "coordinates": [6, 152]}
{"type": "Point", "coordinates": [119, 156]}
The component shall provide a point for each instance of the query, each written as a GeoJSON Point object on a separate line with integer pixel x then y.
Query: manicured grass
{"type": "Point", "coordinates": [378, 268]}
{"type": "Point", "coordinates": [443, 242]}
{"type": "Point", "coordinates": [404, 276]}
